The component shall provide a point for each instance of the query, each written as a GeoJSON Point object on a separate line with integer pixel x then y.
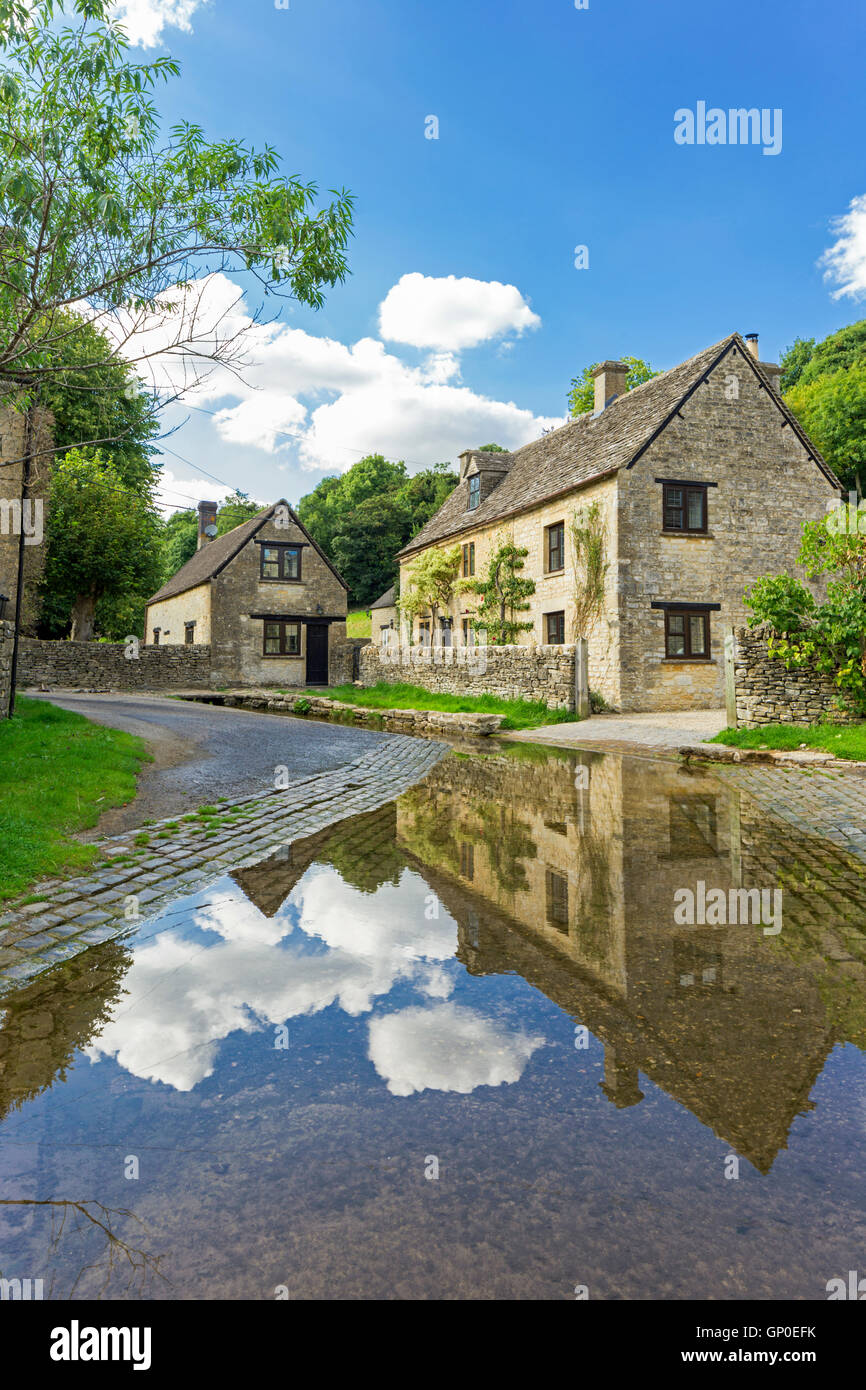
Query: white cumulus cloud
{"type": "Point", "coordinates": [453, 313]}
{"type": "Point", "coordinates": [175, 494]}
{"type": "Point", "coordinates": [845, 260]}
{"type": "Point", "coordinates": [332, 402]}
{"type": "Point", "coordinates": [146, 20]}
{"type": "Point", "coordinates": [446, 1047]}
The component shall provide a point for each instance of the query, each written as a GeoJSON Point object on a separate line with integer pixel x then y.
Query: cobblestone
{"type": "Point", "coordinates": [91, 909]}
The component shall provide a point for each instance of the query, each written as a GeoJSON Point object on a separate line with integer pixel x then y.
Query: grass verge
{"type": "Point", "coordinates": [842, 740]}
{"type": "Point", "coordinates": [58, 773]}
{"type": "Point", "coordinates": [519, 714]}
{"type": "Point", "coordinates": [359, 623]}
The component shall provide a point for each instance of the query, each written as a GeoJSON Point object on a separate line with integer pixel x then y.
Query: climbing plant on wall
{"type": "Point", "coordinates": [589, 542]}
{"type": "Point", "coordinates": [504, 593]}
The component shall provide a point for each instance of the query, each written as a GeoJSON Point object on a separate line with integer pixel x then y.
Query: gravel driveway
{"type": "Point", "coordinates": [203, 752]}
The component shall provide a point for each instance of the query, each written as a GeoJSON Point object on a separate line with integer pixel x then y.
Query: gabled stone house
{"type": "Point", "coordinates": [384, 618]}
{"type": "Point", "coordinates": [703, 477]}
{"type": "Point", "coordinates": [264, 597]}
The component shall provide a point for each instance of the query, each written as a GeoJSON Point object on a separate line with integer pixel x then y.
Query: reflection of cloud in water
{"type": "Point", "coordinates": [388, 924]}
{"type": "Point", "coordinates": [446, 1048]}
{"type": "Point", "coordinates": [183, 998]}
{"type": "Point", "coordinates": [236, 919]}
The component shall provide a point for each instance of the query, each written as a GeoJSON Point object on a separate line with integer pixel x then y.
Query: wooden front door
{"type": "Point", "coordinates": [317, 653]}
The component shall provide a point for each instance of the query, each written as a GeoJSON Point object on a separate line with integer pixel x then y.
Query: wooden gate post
{"type": "Point", "coordinates": [581, 679]}
{"type": "Point", "coordinates": [730, 680]}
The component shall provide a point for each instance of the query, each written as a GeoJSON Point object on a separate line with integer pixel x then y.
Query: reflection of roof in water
{"type": "Point", "coordinates": [361, 848]}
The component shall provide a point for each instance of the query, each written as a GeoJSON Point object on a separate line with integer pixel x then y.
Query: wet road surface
{"type": "Point", "coordinates": [204, 752]}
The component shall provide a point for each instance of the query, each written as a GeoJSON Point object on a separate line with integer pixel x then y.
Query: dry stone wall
{"type": "Point", "coordinates": [768, 693]}
{"type": "Point", "coordinates": [6, 631]}
{"type": "Point", "coordinates": [510, 673]}
{"type": "Point", "coordinates": [107, 665]}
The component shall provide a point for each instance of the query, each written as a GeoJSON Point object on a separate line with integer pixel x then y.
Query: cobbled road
{"type": "Point", "coordinates": [153, 869]}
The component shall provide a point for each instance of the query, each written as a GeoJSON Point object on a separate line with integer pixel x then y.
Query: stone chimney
{"type": "Point", "coordinates": [772, 369]}
{"type": "Point", "coordinates": [609, 383]}
{"type": "Point", "coordinates": [206, 523]}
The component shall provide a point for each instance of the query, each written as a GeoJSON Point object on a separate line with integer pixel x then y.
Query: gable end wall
{"type": "Point", "coordinates": [238, 591]}
{"type": "Point", "coordinates": [768, 485]}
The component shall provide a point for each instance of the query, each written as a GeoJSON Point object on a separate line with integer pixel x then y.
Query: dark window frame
{"type": "Point", "coordinates": [283, 549]}
{"type": "Point", "coordinates": [282, 637]}
{"type": "Point", "coordinates": [468, 559]}
{"type": "Point", "coordinates": [686, 614]}
{"type": "Point", "coordinates": [556, 896]}
{"type": "Point", "coordinates": [559, 615]}
{"type": "Point", "coordinates": [467, 860]}
{"type": "Point", "coordinates": [682, 507]}
{"type": "Point", "coordinates": [156, 633]}
{"type": "Point", "coordinates": [474, 491]}
{"type": "Point", "coordinates": [425, 629]}
{"type": "Point", "coordinates": [189, 634]}
{"type": "Point", "coordinates": [556, 530]}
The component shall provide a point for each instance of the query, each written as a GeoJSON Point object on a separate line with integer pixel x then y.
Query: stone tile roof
{"type": "Point", "coordinates": [206, 563]}
{"type": "Point", "coordinates": [211, 558]}
{"type": "Point", "coordinates": [386, 600]}
{"type": "Point", "coordinates": [589, 447]}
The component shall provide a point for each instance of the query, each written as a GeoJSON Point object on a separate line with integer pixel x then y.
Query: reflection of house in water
{"type": "Point", "coordinates": [362, 849]}
{"type": "Point", "coordinates": [48, 1020]}
{"type": "Point", "coordinates": [733, 1024]}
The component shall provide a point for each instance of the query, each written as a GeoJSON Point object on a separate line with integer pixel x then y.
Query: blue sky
{"type": "Point", "coordinates": [555, 129]}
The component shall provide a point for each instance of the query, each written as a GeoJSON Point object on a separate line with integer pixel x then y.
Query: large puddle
{"type": "Point", "coordinates": [467, 1046]}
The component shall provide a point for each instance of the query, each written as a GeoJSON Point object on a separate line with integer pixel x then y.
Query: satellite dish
{"type": "Point", "coordinates": [210, 530]}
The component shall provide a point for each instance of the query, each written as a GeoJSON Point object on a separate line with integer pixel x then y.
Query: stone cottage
{"type": "Point", "coordinates": [703, 478]}
{"type": "Point", "coordinates": [264, 597]}
{"type": "Point", "coordinates": [384, 618]}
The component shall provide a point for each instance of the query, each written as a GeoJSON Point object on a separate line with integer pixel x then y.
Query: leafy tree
{"type": "Point", "coordinates": [422, 495]}
{"type": "Point", "coordinates": [793, 360]}
{"type": "Point", "coordinates": [492, 449]}
{"type": "Point", "coordinates": [98, 209]}
{"type": "Point", "coordinates": [96, 398]}
{"type": "Point", "coordinates": [830, 636]}
{"type": "Point", "coordinates": [371, 477]}
{"type": "Point", "coordinates": [323, 510]}
{"type": "Point", "coordinates": [106, 404]}
{"type": "Point", "coordinates": [102, 538]}
{"type": "Point", "coordinates": [832, 410]}
{"type": "Point", "coordinates": [430, 582]}
{"type": "Point", "coordinates": [825, 386]}
{"type": "Point", "coordinates": [581, 397]}
{"type": "Point", "coordinates": [178, 542]}
{"type": "Point", "coordinates": [805, 361]}
{"type": "Point", "coordinates": [236, 509]}
{"type": "Point", "coordinates": [336, 507]}
{"type": "Point", "coordinates": [503, 592]}
{"type": "Point", "coordinates": [366, 544]}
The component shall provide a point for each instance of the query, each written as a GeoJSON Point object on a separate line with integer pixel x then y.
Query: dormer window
{"type": "Point", "coordinates": [474, 491]}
